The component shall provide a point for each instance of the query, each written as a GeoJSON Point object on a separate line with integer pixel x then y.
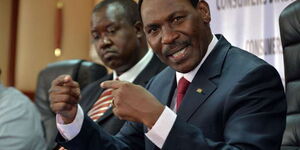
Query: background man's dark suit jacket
{"type": "Point", "coordinates": [93, 91]}
{"type": "Point", "coordinates": [241, 106]}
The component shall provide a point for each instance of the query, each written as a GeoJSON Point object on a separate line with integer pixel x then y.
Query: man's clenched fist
{"type": "Point", "coordinates": [64, 95]}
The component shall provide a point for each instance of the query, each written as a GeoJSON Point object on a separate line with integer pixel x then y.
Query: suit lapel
{"type": "Point", "coordinates": [202, 86]}
{"type": "Point", "coordinates": [194, 98]}
{"type": "Point", "coordinates": [165, 87]}
{"type": "Point", "coordinates": [153, 68]}
{"type": "Point", "coordinates": [94, 98]}
{"type": "Point", "coordinates": [90, 96]}
{"type": "Point", "coordinates": [98, 92]}
{"type": "Point", "coordinates": [167, 91]}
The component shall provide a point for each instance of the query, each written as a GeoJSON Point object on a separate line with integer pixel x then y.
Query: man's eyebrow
{"type": "Point", "coordinates": [93, 31]}
{"type": "Point", "coordinates": [113, 24]}
{"type": "Point", "coordinates": [105, 26]}
{"type": "Point", "coordinates": [152, 25]}
{"type": "Point", "coordinates": [171, 16]}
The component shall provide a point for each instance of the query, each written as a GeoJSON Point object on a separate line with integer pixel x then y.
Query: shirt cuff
{"type": "Point", "coordinates": [161, 129]}
{"type": "Point", "coordinates": [69, 131]}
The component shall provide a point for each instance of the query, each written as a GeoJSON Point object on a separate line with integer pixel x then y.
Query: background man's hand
{"type": "Point", "coordinates": [134, 103]}
{"type": "Point", "coordinates": [64, 95]}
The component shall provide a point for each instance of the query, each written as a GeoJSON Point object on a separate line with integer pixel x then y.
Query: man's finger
{"type": "Point", "coordinates": [59, 90]}
{"type": "Point", "coordinates": [64, 90]}
{"type": "Point", "coordinates": [61, 107]}
{"type": "Point", "coordinates": [113, 84]}
{"type": "Point", "coordinates": [60, 80]}
{"type": "Point", "coordinates": [72, 84]}
{"type": "Point", "coordinates": [64, 99]}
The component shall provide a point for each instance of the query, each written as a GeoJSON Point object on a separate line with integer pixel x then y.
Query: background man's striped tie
{"type": "Point", "coordinates": [102, 105]}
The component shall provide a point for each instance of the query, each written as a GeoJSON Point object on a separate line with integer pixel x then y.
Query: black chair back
{"type": "Point", "coordinates": [289, 23]}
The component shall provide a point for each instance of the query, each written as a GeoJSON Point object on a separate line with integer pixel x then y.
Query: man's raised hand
{"type": "Point", "coordinates": [134, 103]}
{"type": "Point", "coordinates": [64, 96]}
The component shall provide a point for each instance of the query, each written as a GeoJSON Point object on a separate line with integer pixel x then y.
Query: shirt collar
{"type": "Point", "coordinates": [190, 75]}
{"type": "Point", "coordinates": [133, 72]}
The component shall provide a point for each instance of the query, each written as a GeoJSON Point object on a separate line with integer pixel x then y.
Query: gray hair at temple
{"type": "Point", "coordinates": [131, 13]}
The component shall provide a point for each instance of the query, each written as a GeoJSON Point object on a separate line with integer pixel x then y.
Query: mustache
{"type": "Point", "coordinates": [176, 45]}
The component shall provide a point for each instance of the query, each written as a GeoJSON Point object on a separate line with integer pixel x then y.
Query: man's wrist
{"type": "Point", "coordinates": [160, 131]}
{"type": "Point", "coordinates": [67, 119]}
{"type": "Point", "coordinates": [69, 131]}
{"type": "Point", "coordinates": [153, 117]}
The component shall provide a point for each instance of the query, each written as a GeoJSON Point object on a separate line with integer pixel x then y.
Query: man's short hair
{"type": "Point", "coordinates": [193, 2]}
{"type": "Point", "coordinates": [132, 14]}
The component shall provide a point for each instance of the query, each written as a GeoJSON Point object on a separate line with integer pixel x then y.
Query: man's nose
{"type": "Point", "coordinates": [168, 35]}
{"type": "Point", "coordinates": [104, 42]}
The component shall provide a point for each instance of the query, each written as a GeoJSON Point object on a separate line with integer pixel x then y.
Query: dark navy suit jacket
{"type": "Point", "coordinates": [242, 106]}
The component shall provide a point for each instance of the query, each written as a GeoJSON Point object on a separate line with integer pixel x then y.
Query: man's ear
{"type": "Point", "coordinates": [203, 9]}
{"type": "Point", "coordinates": [138, 25]}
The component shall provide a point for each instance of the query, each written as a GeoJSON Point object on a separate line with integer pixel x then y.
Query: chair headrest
{"type": "Point", "coordinates": [289, 23]}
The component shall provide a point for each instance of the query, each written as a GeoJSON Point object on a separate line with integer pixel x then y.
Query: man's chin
{"type": "Point", "coordinates": [186, 65]}
{"type": "Point", "coordinates": [182, 69]}
{"type": "Point", "coordinates": [112, 65]}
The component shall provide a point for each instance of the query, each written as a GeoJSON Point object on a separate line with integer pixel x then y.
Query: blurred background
{"type": "Point", "coordinates": [31, 30]}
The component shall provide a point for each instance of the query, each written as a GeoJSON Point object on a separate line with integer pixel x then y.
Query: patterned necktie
{"type": "Point", "coordinates": [182, 86]}
{"type": "Point", "coordinates": [102, 105]}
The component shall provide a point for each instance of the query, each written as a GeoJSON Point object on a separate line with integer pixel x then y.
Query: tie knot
{"type": "Point", "coordinates": [182, 85]}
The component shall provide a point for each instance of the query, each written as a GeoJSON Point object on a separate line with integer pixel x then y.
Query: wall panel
{"type": "Point", "coordinates": [35, 47]}
{"type": "Point", "coordinates": [5, 14]}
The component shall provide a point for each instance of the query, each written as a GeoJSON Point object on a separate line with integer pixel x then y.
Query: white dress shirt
{"type": "Point", "coordinates": [165, 121]}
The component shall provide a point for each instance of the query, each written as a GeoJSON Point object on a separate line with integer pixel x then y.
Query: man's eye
{"type": "Point", "coordinates": [178, 19]}
{"type": "Point", "coordinates": [95, 36]}
{"type": "Point", "coordinates": [111, 30]}
{"type": "Point", "coordinates": [152, 30]}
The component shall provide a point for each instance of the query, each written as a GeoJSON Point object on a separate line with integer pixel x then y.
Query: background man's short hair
{"type": "Point", "coordinates": [131, 9]}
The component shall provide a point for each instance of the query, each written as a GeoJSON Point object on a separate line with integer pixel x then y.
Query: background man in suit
{"type": "Point", "coordinates": [20, 126]}
{"type": "Point", "coordinates": [121, 44]}
{"type": "Point", "coordinates": [232, 99]}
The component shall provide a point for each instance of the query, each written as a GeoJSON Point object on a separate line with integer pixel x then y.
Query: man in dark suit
{"type": "Point", "coordinates": [232, 99]}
